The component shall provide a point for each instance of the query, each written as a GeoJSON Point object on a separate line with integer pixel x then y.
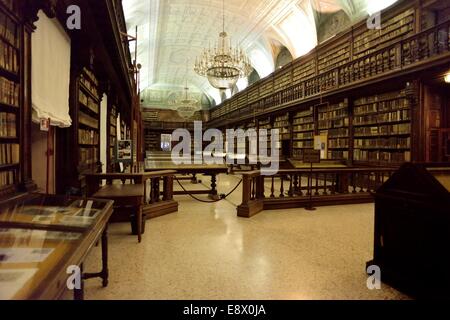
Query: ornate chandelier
{"type": "Point", "coordinates": [224, 65]}
{"type": "Point", "coordinates": [187, 107]}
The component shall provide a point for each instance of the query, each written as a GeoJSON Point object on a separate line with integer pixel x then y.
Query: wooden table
{"type": "Point", "coordinates": [25, 225]}
{"type": "Point", "coordinates": [130, 195]}
{"type": "Point", "coordinates": [205, 169]}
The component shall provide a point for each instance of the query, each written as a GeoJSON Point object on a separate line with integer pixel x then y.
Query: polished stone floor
{"type": "Point", "coordinates": [205, 252]}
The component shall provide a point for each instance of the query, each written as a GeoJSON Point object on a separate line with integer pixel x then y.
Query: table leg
{"type": "Point", "coordinates": [105, 271]}
{"type": "Point", "coordinates": [213, 193]}
{"type": "Point", "coordinates": [78, 294]}
{"type": "Point", "coordinates": [194, 179]}
{"type": "Point", "coordinates": [139, 223]}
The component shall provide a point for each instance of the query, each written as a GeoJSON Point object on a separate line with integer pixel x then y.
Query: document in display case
{"type": "Point", "coordinates": [41, 236]}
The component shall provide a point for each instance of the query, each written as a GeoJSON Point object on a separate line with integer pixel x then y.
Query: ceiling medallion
{"type": "Point", "coordinates": [224, 65]}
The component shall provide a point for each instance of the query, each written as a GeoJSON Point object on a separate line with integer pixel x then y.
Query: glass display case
{"type": "Point", "coordinates": [41, 237]}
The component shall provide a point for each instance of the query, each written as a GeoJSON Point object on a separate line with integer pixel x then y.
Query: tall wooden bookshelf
{"type": "Point", "coordinates": [334, 121]}
{"type": "Point", "coordinates": [88, 121]}
{"type": "Point", "coordinates": [303, 132]}
{"type": "Point", "coordinates": [112, 136]}
{"type": "Point", "coordinates": [382, 128]}
{"type": "Point", "coordinates": [266, 124]}
{"type": "Point", "coordinates": [10, 98]}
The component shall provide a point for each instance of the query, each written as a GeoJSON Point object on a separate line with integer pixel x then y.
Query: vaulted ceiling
{"type": "Point", "coordinates": [172, 33]}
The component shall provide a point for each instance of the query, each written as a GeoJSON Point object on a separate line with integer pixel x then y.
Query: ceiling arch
{"type": "Point", "coordinates": [172, 33]}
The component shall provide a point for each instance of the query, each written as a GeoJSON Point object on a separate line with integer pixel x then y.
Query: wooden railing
{"type": "Point", "coordinates": [302, 187]}
{"type": "Point", "coordinates": [404, 54]}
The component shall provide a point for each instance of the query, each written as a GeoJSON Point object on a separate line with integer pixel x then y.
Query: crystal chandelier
{"type": "Point", "coordinates": [224, 65]}
{"type": "Point", "coordinates": [187, 107]}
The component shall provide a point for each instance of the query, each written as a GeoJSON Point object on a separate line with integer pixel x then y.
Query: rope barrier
{"type": "Point", "coordinates": [222, 196]}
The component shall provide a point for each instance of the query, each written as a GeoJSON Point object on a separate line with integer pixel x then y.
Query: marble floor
{"type": "Point", "coordinates": [206, 252]}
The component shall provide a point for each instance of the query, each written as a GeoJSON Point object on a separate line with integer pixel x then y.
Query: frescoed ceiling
{"type": "Point", "coordinates": [172, 33]}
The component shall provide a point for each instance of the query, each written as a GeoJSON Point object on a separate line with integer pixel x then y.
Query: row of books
{"type": "Point", "coordinates": [9, 57]}
{"type": "Point", "coordinates": [383, 106]}
{"type": "Point", "coordinates": [88, 137]}
{"type": "Point", "coordinates": [400, 115]}
{"type": "Point", "coordinates": [303, 144]}
{"type": "Point", "coordinates": [88, 156]}
{"type": "Point", "coordinates": [381, 97]}
{"type": "Point", "coordinates": [338, 133]}
{"type": "Point", "coordinates": [332, 115]}
{"type": "Point", "coordinates": [91, 76]}
{"type": "Point", "coordinates": [306, 113]}
{"type": "Point", "coordinates": [338, 143]}
{"type": "Point", "coordinates": [396, 129]}
{"type": "Point", "coordinates": [304, 127]}
{"type": "Point", "coordinates": [383, 143]}
{"type": "Point", "coordinates": [392, 28]}
{"type": "Point", "coordinates": [332, 124]}
{"type": "Point", "coordinates": [304, 136]}
{"type": "Point", "coordinates": [338, 155]}
{"type": "Point", "coordinates": [8, 29]}
{"type": "Point", "coordinates": [382, 156]}
{"type": "Point", "coordinates": [303, 120]}
{"type": "Point", "coordinates": [7, 178]}
{"type": "Point", "coordinates": [8, 124]}
{"type": "Point", "coordinates": [113, 131]}
{"type": "Point", "coordinates": [298, 153]}
{"type": "Point", "coordinates": [88, 120]}
{"type": "Point", "coordinates": [88, 102]}
{"type": "Point", "coordinates": [89, 86]}
{"type": "Point", "coordinates": [9, 92]}
{"type": "Point", "coordinates": [9, 153]}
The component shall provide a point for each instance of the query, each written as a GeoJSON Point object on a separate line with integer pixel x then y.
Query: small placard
{"type": "Point", "coordinates": [311, 156]}
{"type": "Point", "coordinates": [45, 125]}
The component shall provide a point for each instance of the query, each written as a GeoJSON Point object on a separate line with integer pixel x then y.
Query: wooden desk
{"type": "Point", "coordinates": [205, 169]}
{"type": "Point", "coordinates": [125, 195]}
{"type": "Point", "coordinates": [67, 228]}
{"type": "Point", "coordinates": [143, 193]}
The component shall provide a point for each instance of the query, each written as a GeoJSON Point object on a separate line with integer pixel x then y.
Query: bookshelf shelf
{"type": "Point", "coordinates": [10, 102]}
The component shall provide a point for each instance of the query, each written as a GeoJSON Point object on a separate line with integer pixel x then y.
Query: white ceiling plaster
{"type": "Point", "coordinates": [172, 33]}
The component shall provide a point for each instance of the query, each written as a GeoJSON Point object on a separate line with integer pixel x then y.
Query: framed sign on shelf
{"type": "Point", "coordinates": [124, 151]}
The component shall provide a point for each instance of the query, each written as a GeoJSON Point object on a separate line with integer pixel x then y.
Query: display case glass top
{"type": "Point", "coordinates": [63, 213]}
{"type": "Point", "coordinates": [29, 256]}
{"type": "Point", "coordinates": [41, 237]}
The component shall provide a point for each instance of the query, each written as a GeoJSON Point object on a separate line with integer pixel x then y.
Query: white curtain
{"type": "Point", "coordinates": [50, 72]}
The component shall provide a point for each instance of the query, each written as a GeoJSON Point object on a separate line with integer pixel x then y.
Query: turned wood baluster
{"type": "Point", "coordinates": [296, 189]}
{"type": "Point", "coordinates": [333, 184]}
{"type": "Point", "coordinates": [291, 186]}
{"type": "Point", "coordinates": [317, 185]}
{"type": "Point", "coordinates": [151, 192]}
{"type": "Point", "coordinates": [354, 182]}
{"type": "Point", "coordinates": [282, 187]}
{"type": "Point", "coordinates": [272, 189]}
{"type": "Point", "coordinates": [325, 186]}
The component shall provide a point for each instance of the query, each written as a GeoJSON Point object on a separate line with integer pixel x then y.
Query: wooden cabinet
{"type": "Point", "coordinates": [412, 230]}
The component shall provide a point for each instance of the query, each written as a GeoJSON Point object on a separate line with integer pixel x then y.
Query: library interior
{"type": "Point", "coordinates": [224, 150]}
